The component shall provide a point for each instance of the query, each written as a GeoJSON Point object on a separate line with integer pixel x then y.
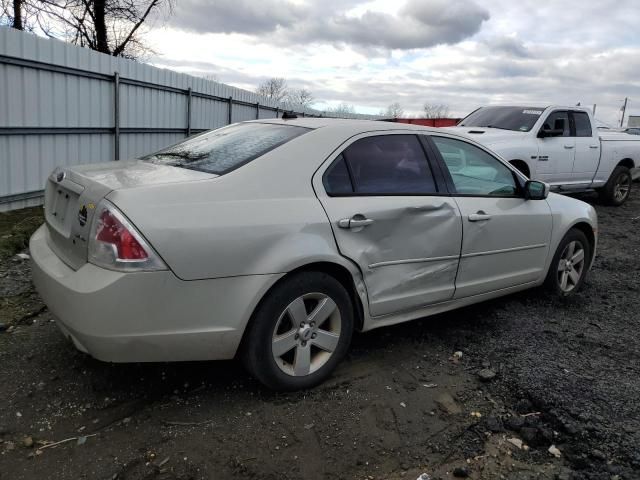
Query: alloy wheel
{"type": "Point", "coordinates": [571, 266]}
{"type": "Point", "coordinates": [622, 187]}
{"type": "Point", "coordinates": [306, 334]}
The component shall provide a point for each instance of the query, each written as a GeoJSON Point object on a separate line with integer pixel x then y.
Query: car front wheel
{"type": "Point", "coordinates": [570, 264]}
{"type": "Point", "coordinates": [300, 332]}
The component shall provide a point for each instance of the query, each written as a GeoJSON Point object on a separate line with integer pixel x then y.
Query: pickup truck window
{"type": "Point", "coordinates": [520, 119]}
{"type": "Point", "coordinates": [558, 121]}
{"type": "Point", "coordinates": [583, 125]}
{"type": "Point", "coordinates": [473, 171]}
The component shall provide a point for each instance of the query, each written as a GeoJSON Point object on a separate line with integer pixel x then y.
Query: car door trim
{"type": "Point", "coordinates": [504, 250]}
{"type": "Point", "coordinates": [413, 260]}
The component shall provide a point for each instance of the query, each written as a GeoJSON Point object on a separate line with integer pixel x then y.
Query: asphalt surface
{"type": "Point", "coordinates": [567, 376]}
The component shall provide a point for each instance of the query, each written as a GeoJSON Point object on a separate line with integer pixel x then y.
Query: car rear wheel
{"type": "Point", "coordinates": [300, 332]}
{"type": "Point", "coordinates": [570, 264]}
{"type": "Point", "coordinates": [618, 188]}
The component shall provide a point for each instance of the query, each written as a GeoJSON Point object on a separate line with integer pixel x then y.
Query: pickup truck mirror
{"type": "Point", "coordinates": [550, 132]}
{"type": "Point", "coordinates": [534, 190]}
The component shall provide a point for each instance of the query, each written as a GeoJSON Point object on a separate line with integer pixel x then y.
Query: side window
{"type": "Point", "coordinates": [558, 121]}
{"type": "Point", "coordinates": [473, 171]}
{"type": "Point", "coordinates": [388, 164]}
{"type": "Point", "coordinates": [583, 124]}
{"type": "Point", "coordinates": [337, 180]}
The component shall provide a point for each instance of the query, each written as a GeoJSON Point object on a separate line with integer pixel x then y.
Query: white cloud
{"type": "Point", "coordinates": [373, 53]}
{"type": "Point", "coordinates": [417, 24]}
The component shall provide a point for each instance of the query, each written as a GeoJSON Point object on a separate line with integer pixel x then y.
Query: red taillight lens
{"type": "Point", "coordinates": [113, 232]}
{"type": "Point", "coordinates": [116, 244]}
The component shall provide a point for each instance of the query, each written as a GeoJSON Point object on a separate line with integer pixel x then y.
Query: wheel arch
{"type": "Point", "coordinates": [626, 162]}
{"type": "Point", "coordinates": [336, 270]}
{"type": "Point", "coordinates": [587, 229]}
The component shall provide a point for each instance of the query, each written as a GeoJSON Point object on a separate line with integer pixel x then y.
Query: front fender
{"type": "Point", "coordinates": [567, 213]}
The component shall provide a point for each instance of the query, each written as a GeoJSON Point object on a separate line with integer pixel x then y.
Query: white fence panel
{"type": "Point", "coordinates": [58, 107]}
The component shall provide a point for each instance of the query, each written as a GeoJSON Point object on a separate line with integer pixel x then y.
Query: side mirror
{"type": "Point", "coordinates": [534, 190]}
{"type": "Point", "coordinates": [550, 132]}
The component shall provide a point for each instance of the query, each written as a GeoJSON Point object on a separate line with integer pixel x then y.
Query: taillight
{"type": "Point", "coordinates": [115, 244]}
{"type": "Point", "coordinates": [112, 232]}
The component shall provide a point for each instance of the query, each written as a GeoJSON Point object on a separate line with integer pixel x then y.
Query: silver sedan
{"type": "Point", "coordinates": [275, 240]}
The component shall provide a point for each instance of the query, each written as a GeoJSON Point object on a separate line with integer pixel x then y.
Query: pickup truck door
{"type": "Point", "coordinates": [556, 154]}
{"type": "Point", "coordinates": [587, 156]}
{"type": "Point", "coordinates": [505, 238]}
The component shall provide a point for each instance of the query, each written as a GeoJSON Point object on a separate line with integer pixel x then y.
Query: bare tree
{"type": "Point", "coordinates": [274, 88]}
{"type": "Point", "coordinates": [300, 96]}
{"type": "Point", "coordinates": [343, 110]}
{"type": "Point", "coordinates": [394, 110]}
{"type": "Point", "coordinates": [108, 26]}
{"type": "Point", "coordinates": [12, 14]}
{"type": "Point", "coordinates": [17, 14]}
{"type": "Point", "coordinates": [436, 110]}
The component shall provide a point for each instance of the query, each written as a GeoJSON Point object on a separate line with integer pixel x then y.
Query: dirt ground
{"type": "Point", "coordinates": [567, 375]}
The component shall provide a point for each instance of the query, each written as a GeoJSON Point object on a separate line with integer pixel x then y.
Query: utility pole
{"type": "Point", "coordinates": [594, 109]}
{"type": "Point", "coordinates": [624, 109]}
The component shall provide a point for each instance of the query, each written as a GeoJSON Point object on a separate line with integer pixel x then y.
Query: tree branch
{"type": "Point", "coordinates": [120, 48]}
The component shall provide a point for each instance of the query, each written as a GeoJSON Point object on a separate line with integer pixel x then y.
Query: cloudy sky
{"type": "Point", "coordinates": [463, 53]}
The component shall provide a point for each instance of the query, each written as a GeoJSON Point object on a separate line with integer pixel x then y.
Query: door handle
{"type": "Point", "coordinates": [594, 146]}
{"type": "Point", "coordinates": [427, 208]}
{"type": "Point", "coordinates": [479, 217]}
{"type": "Point", "coordinates": [354, 222]}
{"type": "Point", "coordinates": [569, 147]}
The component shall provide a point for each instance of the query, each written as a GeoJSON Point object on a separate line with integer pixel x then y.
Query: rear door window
{"type": "Point", "coordinates": [582, 123]}
{"type": "Point", "coordinates": [381, 165]}
{"type": "Point", "coordinates": [337, 180]}
{"type": "Point", "coordinates": [225, 149]}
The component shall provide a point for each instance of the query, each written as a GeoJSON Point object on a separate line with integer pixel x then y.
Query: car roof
{"type": "Point", "coordinates": [345, 125]}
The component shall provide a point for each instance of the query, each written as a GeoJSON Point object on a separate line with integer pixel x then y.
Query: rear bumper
{"type": "Point", "coordinates": [146, 316]}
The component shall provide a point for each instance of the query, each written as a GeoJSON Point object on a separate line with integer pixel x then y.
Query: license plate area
{"type": "Point", "coordinates": [61, 206]}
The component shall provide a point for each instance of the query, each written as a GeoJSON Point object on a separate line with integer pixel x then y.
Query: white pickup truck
{"type": "Point", "coordinates": [559, 146]}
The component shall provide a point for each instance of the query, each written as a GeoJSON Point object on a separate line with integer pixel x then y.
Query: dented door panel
{"type": "Point", "coordinates": [408, 252]}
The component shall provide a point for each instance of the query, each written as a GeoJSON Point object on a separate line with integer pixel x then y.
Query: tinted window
{"type": "Point", "coordinates": [520, 119]}
{"type": "Point", "coordinates": [473, 171]}
{"type": "Point", "coordinates": [583, 125]}
{"type": "Point", "coordinates": [227, 148]}
{"type": "Point", "coordinates": [558, 121]}
{"type": "Point", "coordinates": [389, 164]}
{"type": "Point", "coordinates": [336, 180]}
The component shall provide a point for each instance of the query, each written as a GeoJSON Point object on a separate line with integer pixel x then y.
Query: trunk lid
{"type": "Point", "coordinates": [73, 193]}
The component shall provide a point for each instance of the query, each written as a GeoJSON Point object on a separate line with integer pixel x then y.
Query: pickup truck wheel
{"type": "Point", "coordinates": [570, 264]}
{"type": "Point", "coordinates": [300, 332]}
{"type": "Point", "coordinates": [617, 189]}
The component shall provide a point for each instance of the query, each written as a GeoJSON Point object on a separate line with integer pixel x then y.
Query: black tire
{"type": "Point", "coordinates": [258, 356]}
{"type": "Point", "coordinates": [620, 181]}
{"type": "Point", "coordinates": [553, 282]}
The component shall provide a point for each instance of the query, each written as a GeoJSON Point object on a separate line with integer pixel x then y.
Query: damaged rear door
{"type": "Point", "coordinates": [390, 215]}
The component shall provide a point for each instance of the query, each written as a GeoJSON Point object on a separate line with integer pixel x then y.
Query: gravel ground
{"type": "Point", "coordinates": [402, 404]}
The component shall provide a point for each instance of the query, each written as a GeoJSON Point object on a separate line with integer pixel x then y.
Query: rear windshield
{"type": "Point", "coordinates": [520, 119]}
{"type": "Point", "coordinates": [225, 149]}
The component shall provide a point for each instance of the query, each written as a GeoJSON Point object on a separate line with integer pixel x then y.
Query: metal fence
{"type": "Point", "coordinates": [63, 105]}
